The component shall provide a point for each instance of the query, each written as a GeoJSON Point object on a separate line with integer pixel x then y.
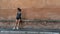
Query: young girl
{"type": "Point", "coordinates": [18, 19]}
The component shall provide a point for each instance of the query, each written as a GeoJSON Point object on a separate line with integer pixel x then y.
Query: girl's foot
{"type": "Point", "coordinates": [17, 27]}
{"type": "Point", "coordinates": [13, 27]}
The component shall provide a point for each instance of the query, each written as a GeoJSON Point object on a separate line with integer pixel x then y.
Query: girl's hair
{"type": "Point", "coordinates": [18, 9]}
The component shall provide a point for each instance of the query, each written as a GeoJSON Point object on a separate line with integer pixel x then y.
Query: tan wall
{"type": "Point", "coordinates": [31, 9]}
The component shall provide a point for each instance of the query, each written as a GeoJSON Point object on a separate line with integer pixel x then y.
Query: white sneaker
{"type": "Point", "coordinates": [13, 27]}
{"type": "Point", "coordinates": [17, 27]}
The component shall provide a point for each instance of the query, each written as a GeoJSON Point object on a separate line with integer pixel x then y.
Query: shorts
{"type": "Point", "coordinates": [18, 18]}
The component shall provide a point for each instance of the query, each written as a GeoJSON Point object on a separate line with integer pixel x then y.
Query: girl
{"type": "Point", "coordinates": [18, 19]}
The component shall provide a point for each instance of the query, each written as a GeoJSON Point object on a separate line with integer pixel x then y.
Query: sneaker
{"type": "Point", "coordinates": [13, 27]}
{"type": "Point", "coordinates": [17, 27]}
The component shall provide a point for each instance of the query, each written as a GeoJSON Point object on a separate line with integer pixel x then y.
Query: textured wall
{"type": "Point", "coordinates": [31, 9]}
{"type": "Point", "coordinates": [22, 3]}
{"type": "Point", "coordinates": [39, 9]}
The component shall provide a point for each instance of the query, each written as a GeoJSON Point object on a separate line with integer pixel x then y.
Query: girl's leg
{"type": "Point", "coordinates": [15, 24]}
{"type": "Point", "coordinates": [20, 23]}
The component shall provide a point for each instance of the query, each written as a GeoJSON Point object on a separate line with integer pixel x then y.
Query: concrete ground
{"type": "Point", "coordinates": [28, 31]}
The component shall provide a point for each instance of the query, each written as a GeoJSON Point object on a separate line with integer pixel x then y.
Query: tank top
{"type": "Point", "coordinates": [18, 14]}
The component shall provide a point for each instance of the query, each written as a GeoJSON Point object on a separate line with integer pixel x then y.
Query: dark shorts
{"type": "Point", "coordinates": [18, 18]}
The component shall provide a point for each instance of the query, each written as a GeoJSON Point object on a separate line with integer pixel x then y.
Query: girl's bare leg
{"type": "Point", "coordinates": [16, 24]}
{"type": "Point", "coordinates": [19, 24]}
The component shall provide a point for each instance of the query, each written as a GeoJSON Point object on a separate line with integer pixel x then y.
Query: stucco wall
{"type": "Point", "coordinates": [39, 9]}
{"type": "Point", "coordinates": [31, 9]}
